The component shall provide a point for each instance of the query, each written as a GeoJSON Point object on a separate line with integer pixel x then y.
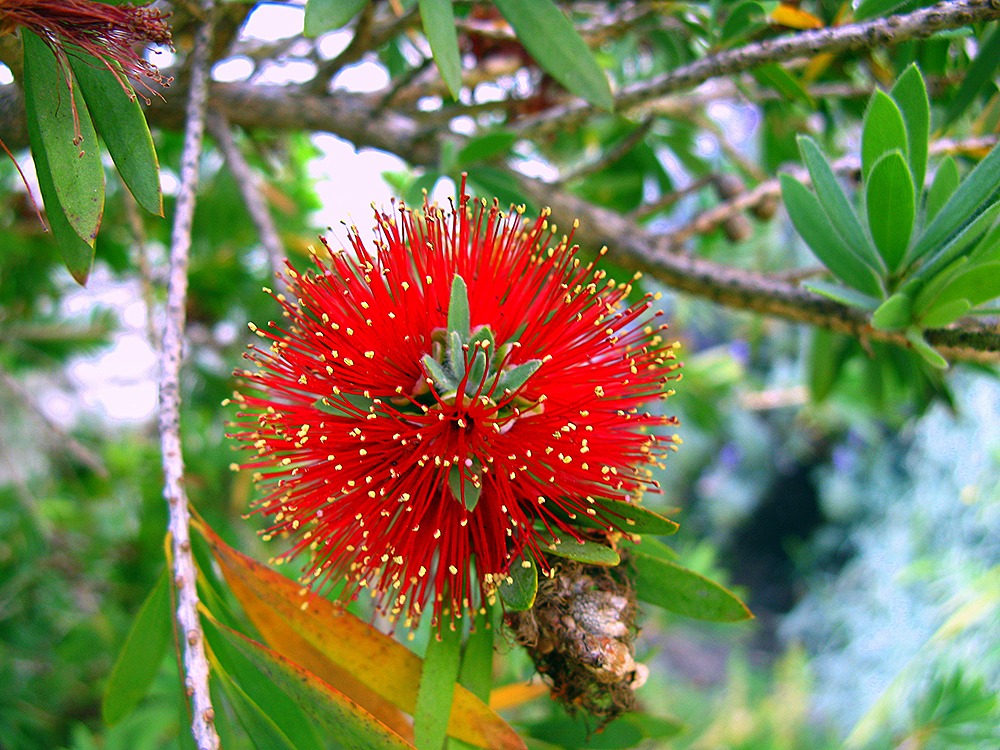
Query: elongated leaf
{"type": "Point", "coordinates": [945, 184]}
{"type": "Point", "coordinates": [916, 338]}
{"type": "Point", "coordinates": [267, 712]}
{"type": "Point", "coordinates": [894, 314]}
{"type": "Point", "coordinates": [57, 111]}
{"type": "Point", "coordinates": [476, 674]}
{"type": "Point", "coordinates": [977, 285]}
{"type": "Point", "coordinates": [437, 687]}
{"type": "Point", "coordinates": [943, 314]}
{"type": "Point", "coordinates": [838, 209]}
{"type": "Point", "coordinates": [119, 119]}
{"type": "Point", "coordinates": [685, 592]}
{"type": "Point", "coordinates": [828, 353]}
{"type": "Point", "coordinates": [873, 8]}
{"type": "Point", "coordinates": [458, 308]}
{"type": "Point", "coordinates": [77, 253]}
{"type": "Point", "coordinates": [288, 617]}
{"type": "Point", "coordinates": [140, 658]}
{"type": "Point", "coordinates": [967, 200]}
{"type": "Point", "coordinates": [782, 81]}
{"type": "Point", "coordinates": [843, 295]}
{"type": "Point", "coordinates": [743, 20]}
{"type": "Point", "coordinates": [338, 715]}
{"type": "Point", "coordinates": [439, 27]}
{"type": "Point", "coordinates": [326, 15]}
{"type": "Point", "coordinates": [549, 36]}
{"type": "Point", "coordinates": [976, 77]}
{"type": "Point", "coordinates": [637, 519]}
{"type": "Point", "coordinates": [963, 241]}
{"type": "Point", "coordinates": [519, 590]}
{"type": "Point", "coordinates": [910, 93]}
{"type": "Point", "coordinates": [813, 224]}
{"type": "Point", "coordinates": [883, 131]}
{"type": "Point", "coordinates": [891, 205]}
{"type": "Point", "coordinates": [486, 146]}
{"type": "Point", "coordinates": [586, 551]}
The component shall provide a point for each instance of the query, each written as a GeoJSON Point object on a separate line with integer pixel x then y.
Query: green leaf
{"type": "Point", "coordinates": [476, 674]}
{"type": "Point", "coordinates": [894, 314]}
{"type": "Point", "coordinates": [975, 286]}
{"type": "Point", "coordinates": [828, 353]}
{"type": "Point", "coordinates": [486, 146]}
{"type": "Point", "coordinates": [326, 15]}
{"type": "Point", "coordinates": [55, 109]}
{"type": "Point", "coordinates": [140, 658]}
{"type": "Point", "coordinates": [941, 315]}
{"type": "Point", "coordinates": [652, 547]}
{"type": "Point", "coordinates": [519, 589]}
{"type": "Point", "coordinates": [958, 245]}
{"type": "Point", "coordinates": [964, 204]}
{"type": "Point", "coordinates": [685, 592]}
{"type": "Point", "coordinates": [745, 19]}
{"type": "Point", "coordinates": [119, 119]}
{"type": "Point", "coordinates": [873, 8]}
{"type": "Point", "coordinates": [945, 184]}
{"type": "Point", "coordinates": [910, 93]}
{"type": "Point", "coordinates": [838, 209]}
{"type": "Point", "coordinates": [439, 27]}
{"type": "Point", "coordinates": [978, 75]}
{"type": "Point", "coordinates": [466, 486]}
{"type": "Point", "coordinates": [584, 551]}
{"type": "Point", "coordinates": [458, 308]}
{"type": "Point", "coordinates": [815, 228]}
{"type": "Point", "coordinates": [925, 350]}
{"type": "Point", "coordinates": [336, 714]}
{"type": "Point", "coordinates": [883, 131]}
{"type": "Point", "coordinates": [437, 686]}
{"type": "Point", "coordinates": [843, 295]}
{"type": "Point", "coordinates": [341, 405]}
{"type": "Point", "coordinates": [550, 37]}
{"type": "Point", "coordinates": [629, 517]}
{"type": "Point", "coordinates": [442, 379]}
{"type": "Point", "coordinates": [891, 207]}
{"type": "Point", "coordinates": [515, 377]}
{"type": "Point", "coordinates": [782, 81]}
{"type": "Point", "coordinates": [263, 731]}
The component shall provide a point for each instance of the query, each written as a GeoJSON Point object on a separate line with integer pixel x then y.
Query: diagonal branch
{"type": "Point", "coordinates": [185, 575]}
{"type": "Point", "coordinates": [866, 35]}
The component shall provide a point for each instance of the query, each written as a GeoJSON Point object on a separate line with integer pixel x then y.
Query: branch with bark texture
{"type": "Point", "coordinates": [184, 571]}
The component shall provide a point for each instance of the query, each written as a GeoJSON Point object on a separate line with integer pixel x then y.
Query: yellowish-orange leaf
{"type": "Point", "coordinates": [794, 18]}
{"type": "Point", "coordinates": [516, 694]}
{"type": "Point", "coordinates": [347, 649]}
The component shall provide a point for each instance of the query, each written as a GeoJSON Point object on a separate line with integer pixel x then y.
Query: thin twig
{"type": "Point", "coordinates": [185, 576]}
{"type": "Point", "coordinates": [65, 441]}
{"type": "Point", "coordinates": [250, 189]}
{"type": "Point", "coordinates": [877, 32]}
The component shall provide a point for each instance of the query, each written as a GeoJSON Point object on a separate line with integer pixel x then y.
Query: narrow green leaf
{"type": "Point", "coordinates": [894, 314]}
{"type": "Point", "coordinates": [945, 184]}
{"type": "Point", "coordinates": [782, 81]}
{"type": "Point", "coordinates": [456, 354]}
{"type": "Point", "coordinates": [685, 592]}
{"type": "Point", "coordinates": [466, 483]}
{"type": "Point", "coordinates": [140, 658]}
{"type": "Point", "coordinates": [891, 207]}
{"type": "Point", "coordinates": [437, 686]}
{"type": "Point", "coordinates": [486, 146]}
{"type": "Point", "coordinates": [652, 547]}
{"type": "Point", "coordinates": [336, 714]}
{"type": "Point", "coordinates": [476, 674]}
{"type": "Point", "coordinates": [515, 377]}
{"type": "Point", "coordinates": [458, 308]}
{"type": "Point", "coordinates": [442, 380]}
{"type": "Point", "coordinates": [883, 131]}
{"type": "Point", "coordinates": [958, 244]}
{"type": "Point", "coordinates": [941, 315]}
{"type": "Point", "coordinates": [975, 285]}
{"type": "Point", "coordinates": [326, 15]}
{"type": "Point", "coordinates": [977, 76]}
{"type": "Point", "coordinates": [439, 27]}
{"type": "Point", "coordinates": [518, 591]}
{"type": "Point", "coordinates": [974, 191]}
{"type": "Point", "coordinates": [828, 353]}
{"type": "Point", "coordinates": [550, 37]}
{"type": "Point", "coordinates": [75, 166]}
{"type": "Point", "coordinates": [119, 119]}
{"type": "Point", "coordinates": [843, 295]}
{"type": "Point", "coordinates": [910, 93]}
{"type": "Point", "coordinates": [873, 8]}
{"type": "Point", "coordinates": [629, 517]}
{"type": "Point", "coordinates": [77, 253]}
{"type": "Point", "coordinates": [815, 228]}
{"type": "Point", "coordinates": [930, 290]}
{"type": "Point", "coordinates": [586, 551]}
{"type": "Point", "coordinates": [838, 209]}
{"type": "Point", "coordinates": [916, 337]}
{"type": "Point", "coordinates": [745, 19]}
{"type": "Point", "coordinates": [263, 731]}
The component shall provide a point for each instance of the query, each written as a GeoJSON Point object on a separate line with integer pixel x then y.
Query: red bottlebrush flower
{"type": "Point", "coordinates": [442, 405]}
{"type": "Point", "coordinates": [110, 33]}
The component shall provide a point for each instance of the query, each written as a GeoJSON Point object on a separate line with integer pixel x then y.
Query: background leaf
{"type": "Point", "coordinates": [326, 15]}
{"type": "Point", "coordinates": [439, 26]}
{"type": "Point", "coordinates": [683, 591]}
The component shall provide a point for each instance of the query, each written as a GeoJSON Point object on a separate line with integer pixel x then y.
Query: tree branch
{"type": "Point", "coordinates": [185, 574]}
{"type": "Point", "coordinates": [874, 33]}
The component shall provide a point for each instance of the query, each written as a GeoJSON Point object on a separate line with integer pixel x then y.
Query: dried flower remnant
{"type": "Point", "coordinates": [581, 633]}
{"type": "Point", "coordinates": [110, 33]}
{"type": "Point", "coordinates": [470, 390]}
